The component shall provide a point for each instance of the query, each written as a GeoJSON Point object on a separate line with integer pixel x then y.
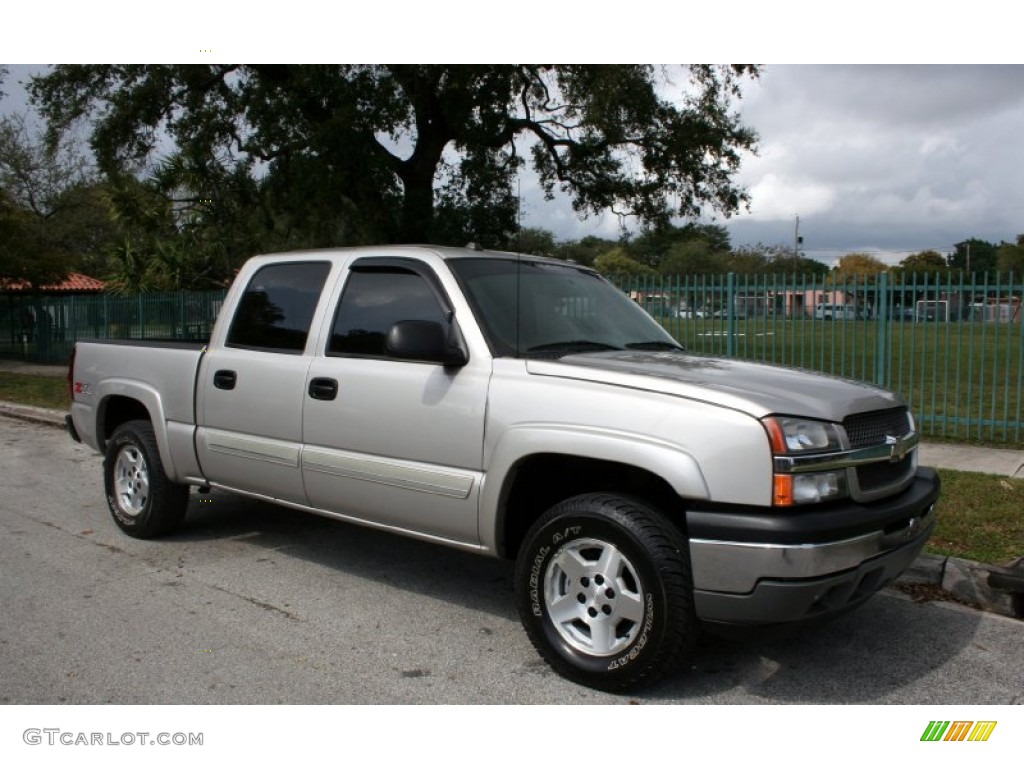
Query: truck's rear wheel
{"type": "Point", "coordinates": [143, 502]}
{"type": "Point", "coordinates": [605, 591]}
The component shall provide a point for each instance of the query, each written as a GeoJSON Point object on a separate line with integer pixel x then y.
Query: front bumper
{"type": "Point", "coordinates": [788, 567]}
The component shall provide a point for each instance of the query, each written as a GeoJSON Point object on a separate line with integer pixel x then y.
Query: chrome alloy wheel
{"type": "Point", "coordinates": [131, 480]}
{"type": "Point", "coordinates": [594, 597]}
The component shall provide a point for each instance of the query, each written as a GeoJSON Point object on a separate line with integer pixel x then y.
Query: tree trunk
{"type": "Point", "coordinates": [417, 208]}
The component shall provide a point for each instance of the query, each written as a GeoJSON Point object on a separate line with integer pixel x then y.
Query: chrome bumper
{"type": "Point", "coordinates": [731, 566]}
{"type": "Point", "coordinates": [802, 567]}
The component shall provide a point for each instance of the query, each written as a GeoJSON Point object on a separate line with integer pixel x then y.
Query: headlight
{"type": "Point", "coordinates": [790, 435]}
{"type": "Point", "coordinates": [793, 436]}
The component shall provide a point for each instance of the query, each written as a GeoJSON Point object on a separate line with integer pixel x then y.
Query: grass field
{"type": "Point", "coordinates": [980, 517]}
{"type": "Point", "coordinates": [41, 391]}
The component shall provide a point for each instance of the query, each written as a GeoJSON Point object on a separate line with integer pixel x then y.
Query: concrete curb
{"type": "Point", "coordinates": [965, 580]}
{"type": "Point", "coordinates": [46, 416]}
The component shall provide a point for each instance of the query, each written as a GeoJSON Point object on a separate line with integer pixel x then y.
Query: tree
{"type": "Point", "coordinates": [533, 240]}
{"type": "Point", "coordinates": [693, 257]}
{"type": "Point", "coordinates": [924, 262]}
{"type": "Point", "coordinates": [358, 153]}
{"type": "Point", "coordinates": [1010, 257]}
{"type": "Point", "coordinates": [653, 244]}
{"type": "Point", "coordinates": [616, 262]}
{"type": "Point", "coordinates": [974, 255]}
{"type": "Point", "coordinates": [862, 270]}
{"type": "Point", "coordinates": [782, 261]}
{"type": "Point", "coordinates": [861, 266]}
{"type": "Point", "coordinates": [53, 212]}
{"type": "Point", "coordinates": [585, 250]}
{"type": "Point", "coordinates": [748, 261]}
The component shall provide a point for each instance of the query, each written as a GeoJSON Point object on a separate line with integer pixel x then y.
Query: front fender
{"type": "Point", "coordinates": [670, 462]}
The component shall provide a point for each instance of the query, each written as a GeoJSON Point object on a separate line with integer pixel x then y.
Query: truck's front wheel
{"type": "Point", "coordinates": [605, 591]}
{"type": "Point", "coordinates": [142, 500]}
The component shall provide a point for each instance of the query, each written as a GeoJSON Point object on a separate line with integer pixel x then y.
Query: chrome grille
{"type": "Point", "coordinates": [871, 428]}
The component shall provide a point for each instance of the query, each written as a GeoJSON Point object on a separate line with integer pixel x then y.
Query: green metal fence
{"type": "Point", "coordinates": [954, 347]}
{"type": "Point", "coordinates": [43, 328]}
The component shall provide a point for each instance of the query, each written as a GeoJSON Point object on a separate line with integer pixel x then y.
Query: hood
{"type": "Point", "coordinates": [754, 388]}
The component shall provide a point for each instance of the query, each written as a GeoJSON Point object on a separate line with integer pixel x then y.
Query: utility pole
{"type": "Point", "coordinates": [797, 240]}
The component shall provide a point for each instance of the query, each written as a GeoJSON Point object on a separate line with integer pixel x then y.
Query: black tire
{"type": "Point", "coordinates": [143, 502]}
{"type": "Point", "coordinates": [605, 591]}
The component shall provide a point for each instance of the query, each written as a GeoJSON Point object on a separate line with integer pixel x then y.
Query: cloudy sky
{"type": "Point", "coordinates": [889, 160]}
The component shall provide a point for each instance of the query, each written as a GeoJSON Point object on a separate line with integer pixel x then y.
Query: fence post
{"type": "Point", "coordinates": [71, 333]}
{"type": "Point", "coordinates": [181, 309]}
{"type": "Point", "coordinates": [730, 315]}
{"type": "Point", "coordinates": [882, 330]}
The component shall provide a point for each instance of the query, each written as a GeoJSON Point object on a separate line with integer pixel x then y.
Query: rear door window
{"type": "Point", "coordinates": [276, 310]}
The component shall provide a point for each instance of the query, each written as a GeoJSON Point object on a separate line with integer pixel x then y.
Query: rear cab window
{"type": "Point", "coordinates": [276, 310]}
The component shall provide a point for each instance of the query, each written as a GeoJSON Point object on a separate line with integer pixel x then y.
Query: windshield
{"type": "Point", "coordinates": [538, 309]}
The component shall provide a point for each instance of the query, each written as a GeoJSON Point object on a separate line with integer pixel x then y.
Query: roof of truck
{"type": "Point", "coordinates": [443, 251]}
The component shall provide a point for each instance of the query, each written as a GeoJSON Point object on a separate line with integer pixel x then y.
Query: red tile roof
{"type": "Point", "coordinates": [73, 283]}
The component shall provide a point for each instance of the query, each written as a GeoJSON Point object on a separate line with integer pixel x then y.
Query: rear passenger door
{"type": "Point", "coordinates": [251, 388]}
{"type": "Point", "coordinates": [389, 441]}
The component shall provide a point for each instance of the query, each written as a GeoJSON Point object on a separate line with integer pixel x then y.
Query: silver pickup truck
{"type": "Point", "coordinates": [521, 408]}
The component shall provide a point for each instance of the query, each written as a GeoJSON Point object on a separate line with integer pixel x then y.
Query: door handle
{"type": "Point", "coordinates": [323, 389]}
{"type": "Point", "coordinates": [225, 379]}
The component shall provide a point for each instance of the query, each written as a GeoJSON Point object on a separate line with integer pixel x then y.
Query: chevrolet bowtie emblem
{"type": "Point", "coordinates": [898, 448]}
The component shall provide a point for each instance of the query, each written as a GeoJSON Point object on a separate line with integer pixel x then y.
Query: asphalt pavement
{"type": "Point", "coordinates": [250, 603]}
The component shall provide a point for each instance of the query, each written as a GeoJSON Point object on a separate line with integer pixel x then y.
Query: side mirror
{"type": "Point", "coordinates": [426, 341]}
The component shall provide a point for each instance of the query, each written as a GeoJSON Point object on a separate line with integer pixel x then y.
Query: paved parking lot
{"type": "Point", "coordinates": [255, 604]}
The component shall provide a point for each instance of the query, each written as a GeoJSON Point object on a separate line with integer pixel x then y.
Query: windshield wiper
{"type": "Point", "coordinates": [654, 345]}
{"type": "Point", "coordinates": [559, 348]}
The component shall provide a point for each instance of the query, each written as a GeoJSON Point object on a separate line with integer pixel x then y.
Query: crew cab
{"type": "Point", "coordinates": [521, 408]}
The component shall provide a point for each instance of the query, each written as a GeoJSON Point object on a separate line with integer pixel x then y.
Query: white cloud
{"type": "Point", "coordinates": [893, 159]}
{"type": "Point", "coordinates": [777, 197]}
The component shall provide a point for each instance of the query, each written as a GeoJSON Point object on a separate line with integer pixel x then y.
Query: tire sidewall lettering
{"type": "Point", "coordinates": [128, 521]}
{"type": "Point", "coordinates": [538, 565]}
{"type": "Point", "coordinates": [561, 533]}
{"type": "Point", "coordinates": [641, 641]}
{"type": "Point", "coordinates": [535, 578]}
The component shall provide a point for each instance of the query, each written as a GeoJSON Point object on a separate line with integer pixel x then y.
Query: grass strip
{"type": "Point", "coordinates": [32, 389]}
{"type": "Point", "coordinates": [980, 517]}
